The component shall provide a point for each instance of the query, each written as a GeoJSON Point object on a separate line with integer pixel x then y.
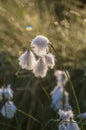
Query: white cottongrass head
{"type": "Point", "coordinates": [82, 115]}
{"type": "Point", "coordinates": [66, 121]}
{"type": "Point", "coordinates": [61, 76]}
{"type": "Point", "coordinates": [8, 92]}
{"type": "Point", "coordinates": [57, 99]}
{"type": "Point", "coordinates": [40, 68]}
{"type": "Point", "coordinates": [8, 110]}
{"type": "Point", "coordinates": [66, 115]}
{"type": "Point", "coordinates": [50, 60]}
{"type": "Point", "coordinates": [27, 60]}
{"type": "Point", "coordinates": [73, 125]}
{"type": "Point", "coordinates": [40, 45]}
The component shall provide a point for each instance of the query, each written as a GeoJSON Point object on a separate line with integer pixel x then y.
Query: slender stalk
{"type": "Point", "coordinates": [8, 125]}
{"type": "Point", "coordinates": [63, 99]}
{"type": "Point", "coordinates": [46, 93]}
{"type": "Point", "coordinates": [30, 116]}
{"type": "Point", "coordinates": [17, 123]}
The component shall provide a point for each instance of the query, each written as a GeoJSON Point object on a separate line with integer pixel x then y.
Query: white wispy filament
{"type": "Point", "coordinates": [40, 68]}
{"type": "Point", "coordinates": [50, 60]}
{"type": "Point", "coordinates": [27, 60]}
{"type": "Point", "coordinates": [8, 110]}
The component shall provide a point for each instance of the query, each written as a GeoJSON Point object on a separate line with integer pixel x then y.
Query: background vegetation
{"type": "Point", "coordinates": [64, 23]}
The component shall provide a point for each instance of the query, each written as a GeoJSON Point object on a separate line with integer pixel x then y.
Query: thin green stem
{"type": "Point", "coordinates": [17, 123]}
{"type": "Point", "coordinates": [30, 116]}
{"type": "Point", "coordinates": [8, 125]}
{"type": "Point", "coordinates": [72, 87]}
{"type": "Point", "coordinates": [46, 93]}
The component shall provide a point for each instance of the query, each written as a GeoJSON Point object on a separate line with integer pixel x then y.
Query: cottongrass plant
{"type": "Point", "coordinates": [66, 121]}
{"type": "Point", "coordinates": [44, 59]}
{"type": "Point", "coordinates": [59, 96]}
{"type": "Point", "coordinates": [8, 109]}
{"type": "Point", "coordinates": [60, 103]}
{"type": "Point", "coordinates": [39, 60]}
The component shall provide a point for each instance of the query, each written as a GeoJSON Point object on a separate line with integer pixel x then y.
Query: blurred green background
{"type": "Point", "coordinates": [64, 23]}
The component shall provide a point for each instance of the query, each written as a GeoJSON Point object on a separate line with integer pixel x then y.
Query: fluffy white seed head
{"type": "Point", "coordinates": [40, 68]}
{"type": "Point", "coordinates": [50, 60]}
{"type": "Point", "coordinates": [8, 110]}
{"type": "Point", "coordinates": [27, 60]}
{"type": "Point", "coordinates": [61, 77]}
{"type": "Point", "coordinates": [40, 41]}
{"type": "Point", "coordinates": [8, 92]}
{"type": "Point", "coordinates": [57, 99]}
{"type": "Point", "coordinates": [40, 45]}
{"type": "Point", "coordinates": [66, 115]}
{"type": "Point", "coordinates": [40, 52]}
{"type": "Point", "coordinates": [73, 126]}
{"type": "Point", "coordinates": [82, 115]}
{"type": "Point", "coordinates": [56, 94]}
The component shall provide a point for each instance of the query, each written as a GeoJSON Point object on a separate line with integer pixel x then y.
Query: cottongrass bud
{"type": "Point", "coordinates": [27, 60]}
{"type": "Point", "coordinates": [8, 92]}
{"type": "Point", "coordinates": [61, 77]}
{"type": "Point", "coordinates": [8, 110]}
{"type": "Point", "coordinates": [40, 68]}
{"type": "Point", "coordinates": [50, 60]}
{"type": "Point", "coordinates": [40, 45]}
{"type": "Point", "coordinates": [82, 115]}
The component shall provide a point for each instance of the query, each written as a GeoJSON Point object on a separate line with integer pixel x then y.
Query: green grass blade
{"type": "Point", "coordinates": [30, 116]}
